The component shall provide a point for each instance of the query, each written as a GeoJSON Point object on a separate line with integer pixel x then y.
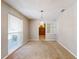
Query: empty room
{"type": "Point", "coordinates": [38, 29]}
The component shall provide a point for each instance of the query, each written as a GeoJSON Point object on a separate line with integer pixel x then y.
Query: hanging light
{"type": "Point", "coordinates": [42, 15]}
{"type": "Point", "coordinates": [42, 20]}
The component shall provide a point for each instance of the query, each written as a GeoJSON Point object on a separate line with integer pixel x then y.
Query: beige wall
{"type": "Point", "coordinates": [34, 30]}
{"type": "Point", "coordinates": [34, 24]}
{"type": "Point", "coordinates": [66, 29]}
{"type": "Point", "coordinates": [5, 9]}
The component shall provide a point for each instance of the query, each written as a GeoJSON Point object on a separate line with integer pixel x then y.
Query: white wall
{"type": "Point", "coordinates": [34, 30]}
{"type": "Point", "coordinates": [5, 9]}
{"type": "Point", "coordinates": [66, 29]}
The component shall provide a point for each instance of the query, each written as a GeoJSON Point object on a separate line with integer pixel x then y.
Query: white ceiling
{"type": "Point", "coordinates": [32, 8]}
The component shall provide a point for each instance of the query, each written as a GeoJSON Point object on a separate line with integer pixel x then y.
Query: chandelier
{"type": "Point", "coordinates": [42, 19]}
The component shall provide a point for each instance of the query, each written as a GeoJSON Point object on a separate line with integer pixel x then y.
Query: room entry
{"type": "Point", "coordinates": [42, 29]}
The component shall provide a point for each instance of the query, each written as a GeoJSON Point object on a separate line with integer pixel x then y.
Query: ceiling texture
{"type": "Point", "coordinates": [32, 8]}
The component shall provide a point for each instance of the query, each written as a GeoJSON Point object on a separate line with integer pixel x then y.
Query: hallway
{"type": "Point", "coordinates": [46, 27]}
{"type": "Point", "coordinates": [41, 50]}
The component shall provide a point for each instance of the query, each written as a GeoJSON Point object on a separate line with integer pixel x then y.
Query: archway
{"type": "Point", "coordinates": [42, 31]}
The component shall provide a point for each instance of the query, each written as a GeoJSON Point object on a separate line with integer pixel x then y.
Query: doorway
{"type": "Point", "coordinates": [42, 31]}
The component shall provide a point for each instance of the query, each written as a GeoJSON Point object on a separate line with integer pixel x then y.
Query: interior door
{"type": "Point", "coordinates": [42, 32]}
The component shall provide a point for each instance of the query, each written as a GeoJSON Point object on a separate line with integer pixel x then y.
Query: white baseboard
{"type": "Point", "coordinates": [45, 40]}
{"type": "Point", "coordinates": [5, 57]}
{"type": "Point", "coordinates": [67, 49]}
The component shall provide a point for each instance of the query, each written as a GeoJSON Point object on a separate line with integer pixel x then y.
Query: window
{"type": "Point", "coordinates": [15, 32]}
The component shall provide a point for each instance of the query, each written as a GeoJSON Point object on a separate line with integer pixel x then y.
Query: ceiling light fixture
{"type": "Point", "coordinates": [42, 18]}
{"type": "Point", "coordinates": [62, 10]}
